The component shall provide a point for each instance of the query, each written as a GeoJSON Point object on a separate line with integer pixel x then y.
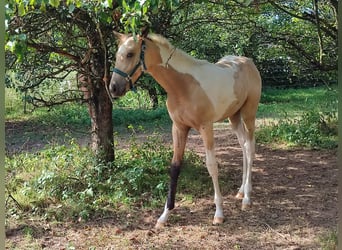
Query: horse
{"type": "Point", "coordinates": [199, 93]}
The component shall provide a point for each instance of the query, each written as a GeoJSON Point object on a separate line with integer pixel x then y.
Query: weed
{"type": "Point", "coordinates": [313, 129]}
{"type": "Point", "coordinates": [329, 240]}
{"type": "Point", "coordinates": [28, 232]}
{"type": "Point", "coordinates": [63, 182]}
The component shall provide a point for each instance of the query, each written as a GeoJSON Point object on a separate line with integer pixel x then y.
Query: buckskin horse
{"type": "Point", "coordinates": [199, 93]}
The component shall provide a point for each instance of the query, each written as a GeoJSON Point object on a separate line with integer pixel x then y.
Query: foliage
{"type": "Point", "coordinates": [47, 44]}
{"type": "Point", "coordinates": [70, 177]}
{"type": "Point", "coordinates": [74, 181]}
{"type": "Point", "coordinates": [287, 55]}
{"type": "Point", "coordinates": [299, 117]}
{"type": "Point", "coordinates": [329, 241]}
{"type": "Point", "coordinates": [132, 110]}
{"type": "Point", "coordinates": [271, 33]}
{"type": "Point", "coordinates": [313, 129]}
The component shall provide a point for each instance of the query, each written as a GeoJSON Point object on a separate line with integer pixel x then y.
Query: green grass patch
{"type": "Point", "coordinates": [63, 183]}
{"type": "Point", "coordinates": [313, 130]}
{"type": "Point", "coordinates": [329, 240]}
{"type": "Point", "coordinates": [141, 117]}
{"type": "Point", "coordinates": [289, 103]}
{"type": "Point", "coordinates": [130, 110]}
{"type": "Point", "coordinates": [299, 118]}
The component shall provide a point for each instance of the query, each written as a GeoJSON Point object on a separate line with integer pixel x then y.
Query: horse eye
{"type": "Point", "coordinates": [129, 55]}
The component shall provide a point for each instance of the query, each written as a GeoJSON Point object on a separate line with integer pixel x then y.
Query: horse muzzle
{"type": "Point", "coordinates": [118, 88]}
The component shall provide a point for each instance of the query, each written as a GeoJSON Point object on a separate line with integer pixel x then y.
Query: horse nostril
{"type": "Point", "coordinates": [112, 88]}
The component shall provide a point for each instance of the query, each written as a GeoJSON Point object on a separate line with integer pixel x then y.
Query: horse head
{"type": "Point", "coordinates": [129, 63]}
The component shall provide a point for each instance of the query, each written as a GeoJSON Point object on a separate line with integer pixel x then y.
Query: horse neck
{"type": "Point", "coordinates": [164, 66]}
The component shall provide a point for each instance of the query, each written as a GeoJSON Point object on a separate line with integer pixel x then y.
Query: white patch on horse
{"type": "Point", "coordinates": [221, 94]}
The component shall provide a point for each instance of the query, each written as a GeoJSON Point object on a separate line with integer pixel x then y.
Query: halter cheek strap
{"type": "Point", "coordinates": [141, 63]}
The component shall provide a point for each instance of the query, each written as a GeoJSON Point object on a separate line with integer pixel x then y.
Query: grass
{"type": "Point", "coordinates": [64, 181]}
{"type": "Point", "coordinates": [314, 130]}
{"type": "Point", "coordinates": [71, 179]}
{"type": "Point", "coordinates": [67, 173]}
{"type": "Point", "coordinates": [299, 117]}
{"type": "Point", "coordinates": [290, 103]}
{"type": "Point", "coordinates": [329, 241]}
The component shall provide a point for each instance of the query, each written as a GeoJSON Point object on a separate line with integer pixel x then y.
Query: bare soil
{"type": "Point", "coordinates": [294, 206]}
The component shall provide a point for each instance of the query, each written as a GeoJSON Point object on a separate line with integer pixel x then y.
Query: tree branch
{"type": "Point", "coordinates": [46, 48]}
{"type": "Point", "coordinates": [328, 29]}
{"type": "Point", "coordinates": [41, 102]}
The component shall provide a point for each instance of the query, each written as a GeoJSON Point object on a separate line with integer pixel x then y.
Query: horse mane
{"type": "Point", "coordinates": [159, 39]}
{"type": "Point", "coordinates": [162, 41]}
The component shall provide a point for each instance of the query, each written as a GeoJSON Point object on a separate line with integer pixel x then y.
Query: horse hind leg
{"type": "Point", "coordinates": [239, 130]}
{"type": "Point", "coordinates": [244, 129]}
{"type": "Point", "coordinates": [249, 148]}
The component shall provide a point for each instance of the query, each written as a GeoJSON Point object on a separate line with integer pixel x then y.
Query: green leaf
{"type": "Point", "coordinates": [42, 7]}
{"type": "Point", "coordinates": [71, 8]}
{"type": "Point", "coordinates": [78, 3]}
{"type": "Point", "coordinates": [144, 10]}
{"type": "Point", "coordinates": [110, 3]}
{"type": "Point", "coordinates": [124, 4]}
{"type": "Point", "coordinates": [22, 37]}
{"type": "Point", "coordinates": [21, 9]}
{"type": "Point", "coordinates": [89, 192]}
{"type": "Point", "coordinates": [54, 3]}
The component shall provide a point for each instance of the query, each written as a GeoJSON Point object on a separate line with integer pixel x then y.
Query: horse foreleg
{"type": "Point", "coordinates": [170, 203]}
{"type": "Point", "coordinates": [179, 136]}
{"type": "Point", "coordinates": [211, 163]}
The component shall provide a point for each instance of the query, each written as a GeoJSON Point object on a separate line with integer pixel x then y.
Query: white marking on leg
{"type": "Point", "coordinates": [250, 150]}
{"type": "Point", "coordinates": [213, 171]}
{"type": "Point", "coordinates": [241, 134]}
{"type": "Point", "coordinates": [163, 218]}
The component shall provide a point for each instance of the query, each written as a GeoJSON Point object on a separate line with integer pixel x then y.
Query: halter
{"type": "Point", "coordinates": [141, 63]}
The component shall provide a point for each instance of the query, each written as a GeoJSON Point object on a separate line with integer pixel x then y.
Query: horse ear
{"type": "Point", "coordinates": [120, 37]}
{"type": "Point", "coordinates": [145, 31]}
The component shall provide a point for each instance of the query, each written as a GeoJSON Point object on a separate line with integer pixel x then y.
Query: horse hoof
{"type": "Point", "coordinates": [159, 225]}
{"type": "Point", "coordinates": [245, 206]}
{"type": "Point", "coordinates": [218, 220]}
{"type": "Point", "coordinates": [239, 195]}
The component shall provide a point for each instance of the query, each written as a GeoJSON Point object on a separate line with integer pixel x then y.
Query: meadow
{"type": "Point", "coordinates": [52, 176]}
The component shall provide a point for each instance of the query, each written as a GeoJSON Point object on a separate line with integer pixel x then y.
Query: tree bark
{"type": "Point", "coordinates": [100, 105]}
{"type": "Point", "coordinates": [100, 111]}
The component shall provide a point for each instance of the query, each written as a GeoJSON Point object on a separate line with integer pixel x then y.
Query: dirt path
{"type": "Point", "coordinates": [294, 205]}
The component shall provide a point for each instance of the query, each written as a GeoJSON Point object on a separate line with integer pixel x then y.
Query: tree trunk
{"type": "Point", "coordinates": [100, 111]}
{"type": "Point", "coordinates": [152, 92]}
{"type": "Point", "coordinates": [100, 105]}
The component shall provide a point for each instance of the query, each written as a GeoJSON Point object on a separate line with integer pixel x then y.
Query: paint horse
{"type": "Point", "coordinates": [199, 93]}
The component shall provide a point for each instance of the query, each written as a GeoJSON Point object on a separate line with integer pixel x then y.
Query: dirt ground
{"type": "Point", "coordinates": [294, 206]}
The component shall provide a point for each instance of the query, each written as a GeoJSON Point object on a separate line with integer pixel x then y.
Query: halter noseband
{"type": "Point", "coordinates": [128, 77]}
